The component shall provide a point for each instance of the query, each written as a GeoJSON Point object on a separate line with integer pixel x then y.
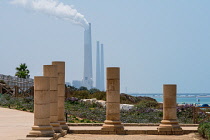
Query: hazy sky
{"type": "Point", "coordinates": [153, 42]}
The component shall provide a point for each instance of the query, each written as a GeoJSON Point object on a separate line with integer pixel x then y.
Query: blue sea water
{"type": "Point", "coordinates": [187, 98]}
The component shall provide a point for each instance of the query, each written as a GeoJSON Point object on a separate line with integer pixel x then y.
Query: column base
{"type": "Point", "coordinates": [169, 125]}
{"type": "Point", "coordinates": [63, 125]}
{"type": "Point", "coordinates": [110, 125]}
{"type": "Point", "coordinates": [42, 131]}
{"type": "Point", "coordinates": [57, 128]}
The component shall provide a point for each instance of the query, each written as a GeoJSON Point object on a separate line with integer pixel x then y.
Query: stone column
{"type": "Point", "coordinates": [61, 92]}
{"type": "Point", "coordinates": [42, 127]}
{"type": "Point", "coordinates": [169, 122]}
{"type": "Point", "coordinates": [51, 71]}
{"type": "Point", "coordinates": [112, 122]}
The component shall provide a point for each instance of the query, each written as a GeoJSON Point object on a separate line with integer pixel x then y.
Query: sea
{"type": "Point", "coordinates": [182, 98]}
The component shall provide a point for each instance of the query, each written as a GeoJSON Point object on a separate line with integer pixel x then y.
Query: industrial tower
{"type": "Point", "coordinates": [87, 80]}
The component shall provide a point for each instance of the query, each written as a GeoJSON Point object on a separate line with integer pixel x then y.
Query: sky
{"type": "Point", "coordinates": [153, 42]}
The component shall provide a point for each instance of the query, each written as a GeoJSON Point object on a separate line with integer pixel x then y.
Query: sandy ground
{"type": "Point", "coordinates": [16, 124]}
{"type": "Point", "coordinates": [191, 136]}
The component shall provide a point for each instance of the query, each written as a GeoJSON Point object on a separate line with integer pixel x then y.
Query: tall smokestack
{"type": "Point", "coordinates": [102, 68]}
{"type": "Point", "coordinates": [98, 67]}
{"type": "Point", "coordinates": [88, 78]}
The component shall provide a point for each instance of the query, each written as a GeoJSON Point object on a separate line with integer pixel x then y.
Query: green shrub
{"type": "Point", "coordinates": [147, 104]}
{"type": "Point", "coordinates": [204, 130]}
{"type": "Point", "coordinates": [25, 104]}
{"type": "Point", "coordinates": [98, 95]}
{"type": "Point", "coordinates": [83, 94]}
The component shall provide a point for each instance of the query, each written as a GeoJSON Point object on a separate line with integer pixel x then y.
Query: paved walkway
{"type": "Point", "coordinates": [16, 124]}
{"type": "Point", "coordinates": [191, 136]}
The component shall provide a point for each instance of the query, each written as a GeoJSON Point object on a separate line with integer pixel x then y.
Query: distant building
{"type": "Point", "coordinates": [77, 83]}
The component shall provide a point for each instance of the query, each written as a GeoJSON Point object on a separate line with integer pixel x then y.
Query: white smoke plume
{"type": "Point", "coordinates": [54, 8]}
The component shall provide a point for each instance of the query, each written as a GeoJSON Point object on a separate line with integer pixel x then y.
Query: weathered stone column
{"type": "Point", "coordinates": [51, 71]}
{"type": "Point", "coordinates": [112, 122]}
{"type": "Point", "coordinates": [169, 122]}
{"type": "Point", "coordinates": [42, 127]}
{"type": "Point", "coordinates": [61, 92]}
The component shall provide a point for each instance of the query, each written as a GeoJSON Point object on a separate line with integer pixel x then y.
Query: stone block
{"type": "Point", "coordinates": [60, 66]}
{"type": "Point", "coordinates": [50, 70]}
{"type": "Point", "coordinates": [41, 97]}
{"type": "Point", "coordinates": [61, 116]}
{"type": "Point", "coordinates": [162, 132]}
{"type": "Point", "coordinates": [40, 122]}
{"type": "Point", "coordinates": [104, 132]}
{"type": "Point", "coordinates": [41, 83]}
{"type": "Point", "coordinates": [113, 73]}
{"type": "Point", "coordinates": [169, 113]}
{"type": "Point", "coordinates": [113, 85]}
{"type": "Point", "coordinates": [123, 132]}
{"type": "Point", "coordinates": [113, 117]}
{"type": "Point", "coordinates": [152, 132]}
{"type": "Point", "coordinates": [61, 78]}
{"type": "Point", "coordinates": [53, 109]}
{"type": "Point", "coordinates": [53, 97]}
{"type": "Point", "coordinates": [113, 97]}
{"type": "Point", "coordinates": [164, 129]}
{"type": "Point", "coordinates": [42, 111]}
{"type": "Point", "coordinates": [61, 102]}
{"type": "Point", "coordinates": [112, 132]}
{"type": "Point", "coordinates": [53, 83]}
{"type": "Point", "coordinates": [53, 118]}
{"type": "Point", "coordinates": [112, 108]}
{"type": "Point", "coordinates": [178, 132]}
{"type": "Point", "coordinates": [170, 101]}
{"type": "Point", "coordinates": [61, 90]}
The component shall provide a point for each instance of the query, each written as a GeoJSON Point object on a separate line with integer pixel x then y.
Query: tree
{"type": "Point", "coordinates": [82, 88]}
{"type": "Point", "coordinates": [22, 71]}
{"type": "Point", "coordinates": [94, 90]}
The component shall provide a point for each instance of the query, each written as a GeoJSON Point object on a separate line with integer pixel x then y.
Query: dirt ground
{"type": "Point", "coordinates": [191, 136]}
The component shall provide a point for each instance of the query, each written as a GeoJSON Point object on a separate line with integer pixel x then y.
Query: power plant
{"type": "Point", "coordinates": [100, 66]}
{"type": "Point", "coordinates": [87, 80]}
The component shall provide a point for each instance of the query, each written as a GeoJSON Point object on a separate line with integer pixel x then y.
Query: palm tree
{"type": "Point", "coordinates": [22, 71]}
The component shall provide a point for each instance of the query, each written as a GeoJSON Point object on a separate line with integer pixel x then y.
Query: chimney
{"type": "Point", "coordinates": [87, 78]}
{"type": "Point", "coordinates": [98, 67]}
{"type": "Point", "coordinates": [102, 68]}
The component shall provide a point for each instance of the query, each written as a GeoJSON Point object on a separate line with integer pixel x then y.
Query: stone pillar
{"type": "Point", "coordinates": [51, 71]}
{"type": "Point", "coordinates": [42, 127]}
{"type": "Point", "coordinates": [169, 122]}
{"type": "Point", "coordinates": [61, 93]}
{"type": "Point", "coordinates": [112, 122]}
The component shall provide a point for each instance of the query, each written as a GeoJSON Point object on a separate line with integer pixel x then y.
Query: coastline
{"type": "Point", "coordinates": [182, 98]}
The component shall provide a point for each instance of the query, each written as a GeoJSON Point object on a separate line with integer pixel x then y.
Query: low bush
{"type": "Point", "coordinates": [185, 114]}
{"type": "Point", "coordinates": [99, 95]}
{"type": "Point", "coordinates": [25, 104]}
{"type": "Point", "coordinates": [147, 104]}
{"type": "Point", "coordinates": [85, 94]}
{"type": "Point", "coordinates": [90, 112]}
{"type": "Point", "coordinates": [204, 130]}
